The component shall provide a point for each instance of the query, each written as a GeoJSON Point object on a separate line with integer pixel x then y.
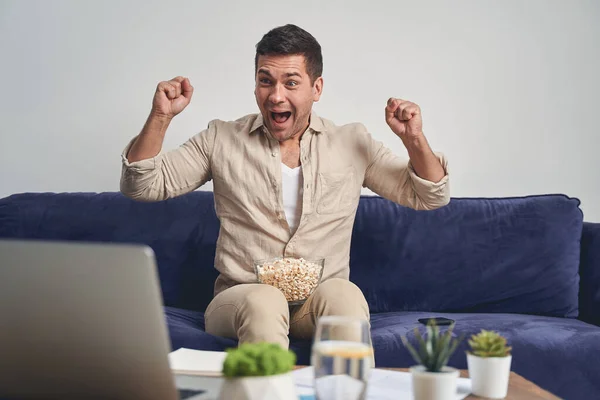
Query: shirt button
{"type": "Point", "coordinates": [273, 154]}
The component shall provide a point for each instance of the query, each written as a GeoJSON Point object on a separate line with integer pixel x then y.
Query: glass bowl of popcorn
{"type": "Point", "coordinates": [297, 278]}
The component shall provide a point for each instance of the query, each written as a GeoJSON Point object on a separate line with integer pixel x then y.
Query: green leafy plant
{"type": "Point", "coordinates": [258, 359]}
{"type": "Point", "coordinates": [489, 344]}
{"type": "Point", "coordinates": [434, 350]}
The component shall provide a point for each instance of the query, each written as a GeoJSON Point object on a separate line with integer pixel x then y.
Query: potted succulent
{"type": "Point", "coordinates": [432, 379]}
{"type": "Point", "coordinates": [258, 371]}
{"type": "Point", "coordinates": [489, 364]}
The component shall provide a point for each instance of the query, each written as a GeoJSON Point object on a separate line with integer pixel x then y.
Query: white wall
{"type": "Point", "coordinates": [509, 89]}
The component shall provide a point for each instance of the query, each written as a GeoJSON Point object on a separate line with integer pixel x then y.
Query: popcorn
{"type": "Point", "coordinates": [295, 277]}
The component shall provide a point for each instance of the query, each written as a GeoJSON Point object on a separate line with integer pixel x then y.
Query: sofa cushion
{"type": "Point", "coordinates": [589, 270]}
{"type": "Point", "coordinates": [186, 329]}
{"type": "Point", "coordinates": [516, 255]}
{"type": "Point", "coordinates": [558, 354]}
{"type": "Point", "coordinates": [181, 231]}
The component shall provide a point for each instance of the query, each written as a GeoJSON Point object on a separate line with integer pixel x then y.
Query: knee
{"type": "Point", "coordinates": [341, 297]}
{"type": "Point", "coordinates": [265, 301]}
{"type": "Point", "coordinates": [263, 316]}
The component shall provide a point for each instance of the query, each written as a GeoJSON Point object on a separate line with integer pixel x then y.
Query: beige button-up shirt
{"type": "Point", "coordinates": [243, 161]}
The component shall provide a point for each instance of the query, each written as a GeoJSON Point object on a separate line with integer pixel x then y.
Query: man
{"type": "Point", "coordinates": [286, 183]}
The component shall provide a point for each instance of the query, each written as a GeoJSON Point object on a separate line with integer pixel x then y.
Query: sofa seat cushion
{"type": "Point", "coordinates": [186, 329]}
{"type": "Point", "coordinates": [558, 354]}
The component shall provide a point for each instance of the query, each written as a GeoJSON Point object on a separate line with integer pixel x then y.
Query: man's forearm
{"type": "Point", "coordinates": [426, 164]}
{"type": "Point", "coordinates": [150, 140]}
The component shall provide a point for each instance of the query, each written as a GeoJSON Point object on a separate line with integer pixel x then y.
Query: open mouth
{"type": "Point", "coordinates": [282, 117]}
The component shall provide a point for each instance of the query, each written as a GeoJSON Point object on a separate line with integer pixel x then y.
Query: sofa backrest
{"type": "Point", "coordinates": [474, 255]}
{"type": "Point", "coordinates": [517, 255]}
{"type": "Point", "coordinates": [181, 231]}
{"type": "Point", "coordinates": [589, 272]}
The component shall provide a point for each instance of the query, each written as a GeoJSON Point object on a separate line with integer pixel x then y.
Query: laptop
{"type": "Point", "coordinates": [83, 320]}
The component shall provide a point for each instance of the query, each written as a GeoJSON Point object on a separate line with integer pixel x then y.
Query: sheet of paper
{"type": "Point", "coordinates": [383, 384]}
{"type": "Point", "coordinates": [197, 361]}
{"type": "Point", "coordinates": [304, 377]}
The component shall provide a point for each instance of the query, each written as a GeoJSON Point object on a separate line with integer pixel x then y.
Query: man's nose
{"type": "Point", "coordinates": [277, 95]}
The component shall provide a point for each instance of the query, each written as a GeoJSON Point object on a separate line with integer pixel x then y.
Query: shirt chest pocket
{"type": "Point", "coordinates": [335, 191]}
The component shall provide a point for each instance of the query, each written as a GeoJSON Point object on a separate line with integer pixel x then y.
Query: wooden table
{"type": "Point", "coordinates": [519, 388]}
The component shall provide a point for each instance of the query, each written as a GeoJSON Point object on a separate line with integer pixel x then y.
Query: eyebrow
{"type": "Point", "coordinates": [287, 75]}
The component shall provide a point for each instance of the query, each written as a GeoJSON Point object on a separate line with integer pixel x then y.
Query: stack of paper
{"type": "Point", "coordinates": [197, 362]}
{"type": "Point", "coordinates": [383, 384]}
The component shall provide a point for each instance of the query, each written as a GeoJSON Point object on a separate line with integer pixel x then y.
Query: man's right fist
{"type": "Point", "coordinates": [172, 97]}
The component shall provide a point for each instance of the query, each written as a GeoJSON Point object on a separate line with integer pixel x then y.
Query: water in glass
{"type": "Point", "coordinates": [342, 358]}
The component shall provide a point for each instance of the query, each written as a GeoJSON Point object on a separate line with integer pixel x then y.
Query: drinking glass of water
{"type": "Point", "coordinates": [342, 358]}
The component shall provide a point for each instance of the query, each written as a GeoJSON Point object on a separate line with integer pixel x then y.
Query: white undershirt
{"type": "Point", "coordinates": [292, 188]}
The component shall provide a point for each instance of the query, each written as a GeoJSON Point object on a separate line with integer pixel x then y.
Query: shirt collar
{"type": "Point", "coordinates": [316, 123]}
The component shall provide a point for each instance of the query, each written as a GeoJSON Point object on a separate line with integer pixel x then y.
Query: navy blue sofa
{"type": "Point", "coordinates": [526, 267]}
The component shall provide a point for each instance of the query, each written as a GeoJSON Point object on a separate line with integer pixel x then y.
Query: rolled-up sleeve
{"type": "Point", "coordinates": [169, 174]}
{"type": "Point", "coordinates": [395, 179]}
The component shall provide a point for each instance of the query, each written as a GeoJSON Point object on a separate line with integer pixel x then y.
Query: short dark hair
{"type": "Point", "coordinates": [289, 40]}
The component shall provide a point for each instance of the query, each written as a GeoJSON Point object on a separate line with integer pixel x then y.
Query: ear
{"type": "Point", "coordinates": [317, 88]}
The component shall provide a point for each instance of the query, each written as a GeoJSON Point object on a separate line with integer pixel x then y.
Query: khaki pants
{"type": "Point", "coordinates": [257, 312]}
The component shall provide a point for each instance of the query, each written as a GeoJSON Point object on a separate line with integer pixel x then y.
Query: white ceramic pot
{"type": "Point", "coordinates": [433, 385]}
{"type": "Point", "coordinates": [489, 376]}
{"type": "Point", "coordinates": [275, 387]}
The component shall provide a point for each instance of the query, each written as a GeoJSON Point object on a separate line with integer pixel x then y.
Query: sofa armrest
{"type": "Point", "coordinates": [589, 271]}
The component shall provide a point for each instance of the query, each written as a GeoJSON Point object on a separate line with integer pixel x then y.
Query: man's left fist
{"type": "Point", "coordinates": [404, 118]}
